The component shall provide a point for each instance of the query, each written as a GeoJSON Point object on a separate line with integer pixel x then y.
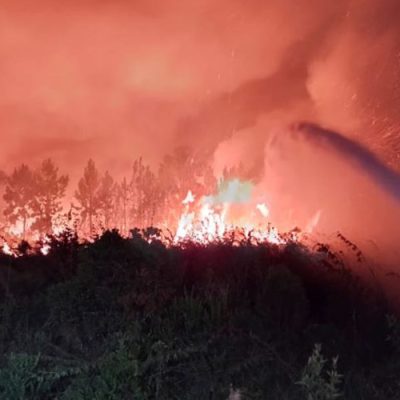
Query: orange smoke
{"type": "Point", "coordinates": [114, 80]}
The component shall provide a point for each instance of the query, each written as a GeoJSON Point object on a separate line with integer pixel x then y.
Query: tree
{"type": "Point", "coordinates": [49, 190]}
{"type": "Point", "coordinates": [181, 171]}
{"type": "Point", "coordinates": [123, 198]}
{"type": "Point", "coordinates": [107, 198]}
{"type": "Point", "coordinates": [137, 187]}
{"type": "Point", "coordinates": [88, 195]}
{"type": "Point", "coordinates": [3, 183]}
{"type": "Point", "coordinates": [19, 197]}
{"type": "Point", "coordinates": [153, 198]}
{"type": "Point", "coordinates": [145, 195]}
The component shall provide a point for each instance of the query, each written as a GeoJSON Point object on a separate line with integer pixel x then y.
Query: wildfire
{"type": "Point", "coordinates": [45, 246]}
{"type": "Point", "coordinates": [7, 249]}
{"type": "Point", "coordinates": [230, 214]}
{"type": "Point", "coordinates": [263, 210]}
{"type": "Point", "coordinates": [208, 219]}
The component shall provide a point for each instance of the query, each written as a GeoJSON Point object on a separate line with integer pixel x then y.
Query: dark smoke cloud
{"type": "Point", "coordinates": [343, 72]}
{"type": "Point", "coordinates": [354, 153]}
{"type": "Point", "coordinates": [320, 178]}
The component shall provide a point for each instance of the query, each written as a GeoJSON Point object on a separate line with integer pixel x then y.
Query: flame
{"type": "Point", "coordinates": [207, 221]}
{"type": "Point", "coordinates": [16, 229]}
{"type": "Point", "coordinates": [45, 246]}
{"type": "Point", "coordinates": [7, 249]}
{"type": "Point", "coordinates": [263, 209]}
{"type": "Point", "coordinates": [186, 219]}
{"type": "Point", "coordinates": [189, 198]}
{"type": "Point", "coordinates": [230, 214]}
{"type": "Point", "coordinates": [45, 249]}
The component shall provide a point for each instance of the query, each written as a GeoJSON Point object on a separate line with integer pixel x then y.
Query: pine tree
{"type": "Point", "coordinates": [152, 198]}
{"type": "Point", "coordinates": [88, 195]}
{"type": "Point", "coordinates": [180, 172]}
{"type": "Point", "coordinates": [137, 193]}
{"type": "Point", "coordinates": [145, 195]}
{"type": "Point", "coordinates": [47, 202]}
{"type": "Point", "coordinates": [124, 198]}
{"type": "Point", "coordinates": [3, 183]}
{"type": "Point", "coordinates": [107, 198]}
{"type": "Point", "coordinates": [19, 196]}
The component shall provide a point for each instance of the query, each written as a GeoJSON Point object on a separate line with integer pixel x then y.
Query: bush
{"type": "Point", "coordinates": [318, 383]}
{"type": "Point", "coordinates": [283, 300]}
{"type": "Point", "coordinates": [128, 319]}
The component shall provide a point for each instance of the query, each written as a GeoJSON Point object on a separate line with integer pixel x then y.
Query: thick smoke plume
{"type": "Point", "coordinates": [317, 178]}
{"type": "Point", "coordinates": [110, 79]}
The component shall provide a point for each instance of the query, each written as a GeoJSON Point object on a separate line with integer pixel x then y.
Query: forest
{"type": "Point", "coordinates": [41, 201]}
{"type": "Point", "coordinates": [116, 309]}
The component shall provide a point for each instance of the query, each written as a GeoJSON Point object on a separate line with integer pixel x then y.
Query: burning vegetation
{"type": "Point", "coordinates": [187, 236]}
{"type": "Point", "coordinates": [178, 284]}
{"type": "Point", "coordinates": [355, 194]}
{"type": "Point", "coordinates": [194, 208]}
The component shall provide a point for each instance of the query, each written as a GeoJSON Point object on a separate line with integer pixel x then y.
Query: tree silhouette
{"type": "Point", "coordinates": [145, 195]}
{"type": "Point", "coordinates": [181, 171]}
{"type": "Point", "coordinates": [106, 196]}
{"type": "Point", "coordinates": [88, 194]}
{"type": "Point", "coordinates": [153, 198]}
{"type": "Point", "coordinates": [3, 183]}
{"type": "Point", "coordinates": [49, 190]}
{"type": "Point", "coordinates": [19, 197]}
{"type": "Point", "coordinates": [123, 198]}
{"type": "Point", "coordinates": [137, 186]}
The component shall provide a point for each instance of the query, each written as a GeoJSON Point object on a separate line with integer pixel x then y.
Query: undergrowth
{"type": "Point", "coordinates": [128, 319]}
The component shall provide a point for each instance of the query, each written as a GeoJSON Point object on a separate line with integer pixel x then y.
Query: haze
{"type": "Point", "coordinates": [114, 80]}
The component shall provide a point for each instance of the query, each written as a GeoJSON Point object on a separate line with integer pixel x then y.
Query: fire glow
{"type": "Point", "coordinates": [208, 220]}
{"type": "Point", "coordinates": [83, 82]}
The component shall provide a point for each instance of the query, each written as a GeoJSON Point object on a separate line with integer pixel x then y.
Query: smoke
{"type": "Point", "coordinates": [375, 169]}
{"type": "Point", "coordinates": [114, 80]}
{"type": "Point", "coordinates": [320, 180]}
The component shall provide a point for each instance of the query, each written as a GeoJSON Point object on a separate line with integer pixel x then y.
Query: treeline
{"type": "Point", "coordinates": [38, 200]}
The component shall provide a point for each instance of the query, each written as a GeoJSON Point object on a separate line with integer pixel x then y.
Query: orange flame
{"type": "Point", "coordinates": [208, 222]}
{"type": "Point", "coordinates": [6, 249]}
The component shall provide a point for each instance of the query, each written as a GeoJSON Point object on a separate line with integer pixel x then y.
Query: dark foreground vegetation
{"type": "Point", "coordinates": [127, 319]}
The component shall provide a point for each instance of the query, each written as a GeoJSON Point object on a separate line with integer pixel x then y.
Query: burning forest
{"type": "Point", "coordinates": [199, 200]}
{"type": "Point", "coordinates": [187, 202]}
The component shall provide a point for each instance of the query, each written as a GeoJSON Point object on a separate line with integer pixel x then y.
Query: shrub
{"type": "Point", "coordinates": [318, 383]}
{"type": "Point", "coordinates": [283, 300]}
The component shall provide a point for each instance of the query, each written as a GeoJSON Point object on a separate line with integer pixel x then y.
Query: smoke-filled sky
{"type": "Point", "coordinates": [118, 79]}
{"type": "Point", "coordinates": [114, 79]}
